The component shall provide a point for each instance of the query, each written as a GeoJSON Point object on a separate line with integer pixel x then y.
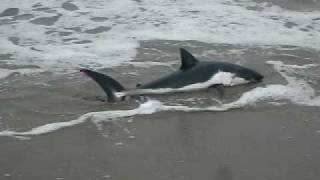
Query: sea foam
{"type": "Point", "coordinates": [73, 40]}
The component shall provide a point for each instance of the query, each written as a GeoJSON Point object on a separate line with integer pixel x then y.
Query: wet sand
{"type": "Point", "coordinates": [260, 143]}
{"type": "Point", "coordinates": [265, 141]}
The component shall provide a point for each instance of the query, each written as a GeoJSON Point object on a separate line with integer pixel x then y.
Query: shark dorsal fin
{"type": "Point", "coordinates": [187, 60]}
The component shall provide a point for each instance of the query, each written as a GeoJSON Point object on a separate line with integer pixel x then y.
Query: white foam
{"type": "Point", "coordinates": [149, 107]}
{"type": "Point", "coordinates": [298, 90]}
{"type": "Point", "coordinates": [146, 108]}
{"type": "Point", "coordinates": [43, 129]}
{"type": "Point", "coordinates": [4, 73]}
{"type": "Point", "coordinates": [212, 21]}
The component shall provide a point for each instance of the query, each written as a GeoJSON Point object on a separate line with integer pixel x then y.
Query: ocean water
{"type": "Point", "coordinates": [61, 36]}
{"type": "Point", "coordinates": [43, 44]}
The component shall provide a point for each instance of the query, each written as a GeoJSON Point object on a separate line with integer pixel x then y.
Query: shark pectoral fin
{"type": "Point", "coordinates": [220, 89]}
{"type": "Point", "coordinates": [187, 60]}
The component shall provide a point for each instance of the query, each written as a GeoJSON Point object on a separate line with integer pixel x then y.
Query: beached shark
{"type": "Point", "coordinates": [192, 75]}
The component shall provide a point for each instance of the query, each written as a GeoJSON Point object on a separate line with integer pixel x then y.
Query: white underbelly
{"type": "Point", "coordinates": [224, 78]}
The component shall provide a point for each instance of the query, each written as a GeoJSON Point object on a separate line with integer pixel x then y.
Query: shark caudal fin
{"type": "Point", "coordinates": [109, 85]}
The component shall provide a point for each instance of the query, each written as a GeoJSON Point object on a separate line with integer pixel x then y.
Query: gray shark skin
{"type": "Point", "coordinates": [191, 71]}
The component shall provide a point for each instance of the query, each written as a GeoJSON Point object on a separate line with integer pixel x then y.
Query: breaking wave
{"type": "Point", "coordinates": [107, 33]}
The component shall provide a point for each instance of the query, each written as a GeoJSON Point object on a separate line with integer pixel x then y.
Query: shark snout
{"type": "Point", "coordinates": [258, 77]}
{"type": "Point", "coordinates": [251, 76]}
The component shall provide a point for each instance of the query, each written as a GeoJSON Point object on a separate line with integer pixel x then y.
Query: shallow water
{"type": "Point", "coordinates": [171, 134]}
{"type": "Point", "coordinates": [268, 130]}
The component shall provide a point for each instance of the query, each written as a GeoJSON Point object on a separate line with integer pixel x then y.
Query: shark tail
{"type": "Point", "coordinates": [109, 85]}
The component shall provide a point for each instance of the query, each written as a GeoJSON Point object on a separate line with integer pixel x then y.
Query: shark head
{"type": "Point", "coordinates": [250, 75]}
